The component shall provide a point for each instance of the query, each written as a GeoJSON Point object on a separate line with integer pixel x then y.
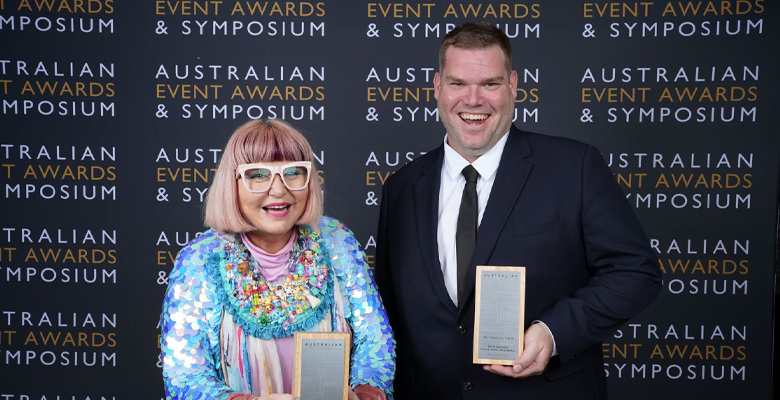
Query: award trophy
{"type": "Point", "coordinates": [321, 366]}
{"type": "Point", "coordinates": [499, 314]}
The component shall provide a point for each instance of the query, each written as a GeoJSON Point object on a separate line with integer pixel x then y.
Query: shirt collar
{"type": "Point", "coordinates": [486, 164]}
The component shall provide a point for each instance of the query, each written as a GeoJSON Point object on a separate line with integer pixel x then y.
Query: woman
{"type": "Point", "coordinates": [270, 265]}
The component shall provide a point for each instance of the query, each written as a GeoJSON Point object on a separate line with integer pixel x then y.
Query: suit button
{"type": "Point", "coordinates": [467, 385]}
{"type": "Point", "coordinates": [461, 329]}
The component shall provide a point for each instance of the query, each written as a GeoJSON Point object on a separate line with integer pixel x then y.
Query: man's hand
{"type": "Point", "coordinates": [537, 348]}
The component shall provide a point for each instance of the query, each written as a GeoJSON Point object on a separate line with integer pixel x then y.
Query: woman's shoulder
{"type": "Point", "coordinates": [200, 254]}
{"type": "Point", "coordinates": [204, 243]}
{"type": "Point", "coordinates": [202, 239]}
{"type": "Point", "coordinates": [344, 252]}
{"type": "Point", "coordinates": [329, 226]}
{"type": "Point", "coordinates": [337, 236]}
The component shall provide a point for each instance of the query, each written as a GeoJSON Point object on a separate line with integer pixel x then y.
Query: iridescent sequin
{"type": "Point", "coordinates": [193, 311]}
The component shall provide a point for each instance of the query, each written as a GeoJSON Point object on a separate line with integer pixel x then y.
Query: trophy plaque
{"type": "Point", "coordinates": [321, 365]}
{"type": "Point", "coordinates": [499, 314]}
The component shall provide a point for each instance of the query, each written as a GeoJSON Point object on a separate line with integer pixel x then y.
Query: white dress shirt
{"type": "Point", "coordinates": [450, 193]}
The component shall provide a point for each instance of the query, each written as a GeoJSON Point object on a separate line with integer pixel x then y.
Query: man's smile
{"type": "Point", "coordinates": [473, 118]}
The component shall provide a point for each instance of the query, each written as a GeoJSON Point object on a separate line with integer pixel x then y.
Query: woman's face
{"type": "Point", "coordinates": [274, 213]}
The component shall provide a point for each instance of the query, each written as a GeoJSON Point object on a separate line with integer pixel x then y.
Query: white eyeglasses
{"type": "Point", "coordinates": [258, 177]}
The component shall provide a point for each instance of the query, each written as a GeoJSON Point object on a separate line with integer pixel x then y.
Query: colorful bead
{"type": "Point", "coordinates": [255, 300]}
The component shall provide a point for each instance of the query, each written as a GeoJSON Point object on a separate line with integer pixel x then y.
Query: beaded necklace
{"type": "Point", "coordinates": [296, 302]}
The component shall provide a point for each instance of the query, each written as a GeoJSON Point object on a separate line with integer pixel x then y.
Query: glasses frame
{"type": "Point", "coordinates": [275, 170]}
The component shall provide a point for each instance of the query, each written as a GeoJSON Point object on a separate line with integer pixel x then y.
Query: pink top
{"type": "Point", "coordinates": [274, 267]}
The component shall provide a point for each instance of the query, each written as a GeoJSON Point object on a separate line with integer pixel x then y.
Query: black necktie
{"type": "Point", "coordinates": [466, 235]}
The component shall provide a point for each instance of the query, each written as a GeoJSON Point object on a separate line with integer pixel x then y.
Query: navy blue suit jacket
{"type": "Point", "coordinates": [556, 209]}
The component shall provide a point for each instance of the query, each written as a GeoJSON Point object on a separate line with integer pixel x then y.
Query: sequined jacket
{"type": "Point", "coordinates": [193, 311]}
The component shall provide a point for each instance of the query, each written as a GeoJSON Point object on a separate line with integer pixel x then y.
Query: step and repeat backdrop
{"type": "Point", "coordinates": [113, 116]}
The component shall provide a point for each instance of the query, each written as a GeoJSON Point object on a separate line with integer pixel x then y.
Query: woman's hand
{"type": "Point", "coordinates": [276, 397]}
{"type": "Point", "coordinates": [367, 392]}
{"type": "Point", "coordinates": [246, 396]}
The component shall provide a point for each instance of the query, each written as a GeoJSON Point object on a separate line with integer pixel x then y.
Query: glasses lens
{"type": "Point", "coordinates": [258, 179]}
{"type": "Point", "coordinates": [295, 177]}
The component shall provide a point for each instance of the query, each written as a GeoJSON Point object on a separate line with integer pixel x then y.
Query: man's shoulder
{"type": "Point", "coordinates": [419, 165]}
{"type": "Point", "coordinates": [557, 154]}
{"type": "Point", "coordinates": [558, 144]}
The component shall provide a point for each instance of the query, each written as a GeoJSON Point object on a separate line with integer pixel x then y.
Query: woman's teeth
{"type": "Point", "coordinates": [276, 209]}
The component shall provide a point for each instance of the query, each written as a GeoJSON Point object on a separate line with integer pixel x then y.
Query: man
{"type": "Point", "coordinates": [549, 204]}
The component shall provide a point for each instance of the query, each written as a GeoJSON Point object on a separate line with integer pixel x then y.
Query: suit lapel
{"type": "Point", "coordinates": [513, 171]}
{"type": "Point", "coordinates": [426, 196]}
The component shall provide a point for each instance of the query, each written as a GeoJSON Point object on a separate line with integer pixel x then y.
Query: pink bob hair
{"type": "Point", "coordinates": [258, 141]}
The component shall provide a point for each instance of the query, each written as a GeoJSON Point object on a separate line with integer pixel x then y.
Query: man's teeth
{"type": "Point", "coordinates": [474, 117]}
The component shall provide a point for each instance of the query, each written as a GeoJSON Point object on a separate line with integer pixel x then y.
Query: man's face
{"type": "Point", "coordinates": [475, 95]}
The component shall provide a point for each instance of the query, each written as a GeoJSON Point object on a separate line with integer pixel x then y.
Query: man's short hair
{"type": "Point", "coordinates": [258, 141]}
{"type": "Point", "coordinates": [473, 36]}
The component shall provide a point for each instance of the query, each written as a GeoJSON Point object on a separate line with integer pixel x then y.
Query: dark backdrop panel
{"type": "Point", "coordinates": [114, 115]}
